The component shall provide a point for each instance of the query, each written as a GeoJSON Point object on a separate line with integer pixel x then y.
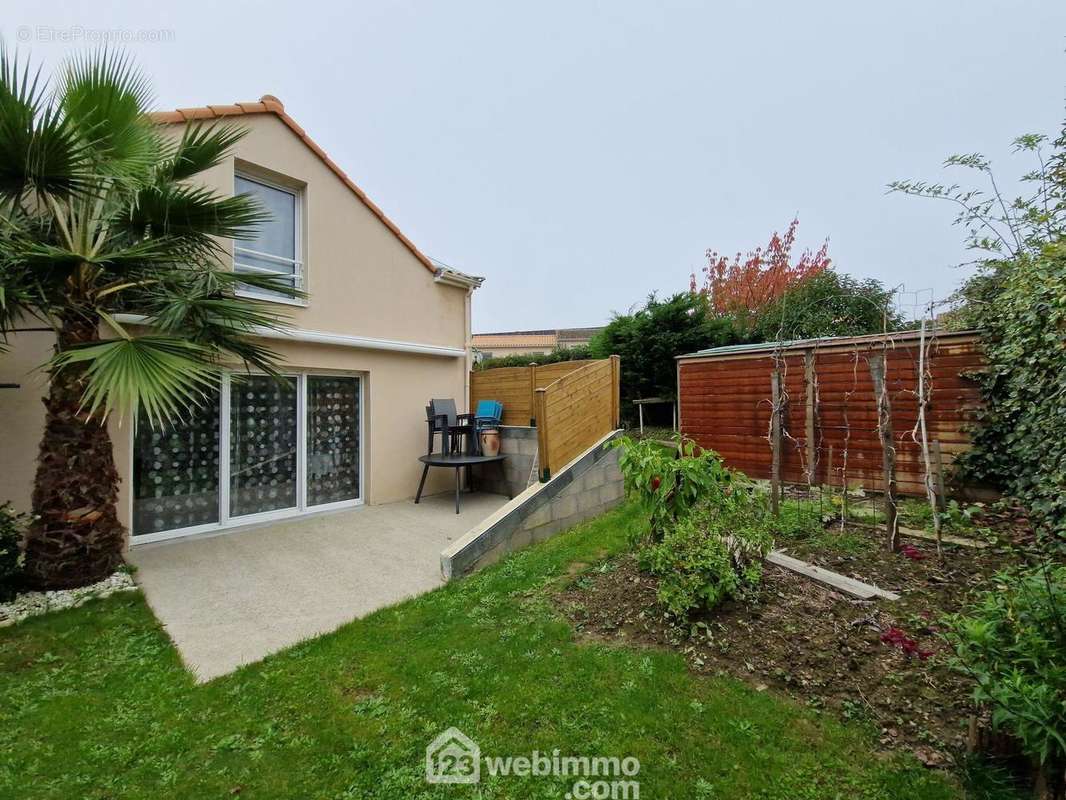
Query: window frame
{"type": "Point", "coordinates": [227, 522]}
{"type": "Point", "coordinates": [299, 265]}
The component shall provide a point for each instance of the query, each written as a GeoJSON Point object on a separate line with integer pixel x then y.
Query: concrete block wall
{"type": "Point", "coordinates": [519, 444]}
{"type": "Point", "coordinates": [586, 487]}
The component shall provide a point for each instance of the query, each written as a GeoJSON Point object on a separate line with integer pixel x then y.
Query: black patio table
{"type": "Point", "coordinates": [457, 461]}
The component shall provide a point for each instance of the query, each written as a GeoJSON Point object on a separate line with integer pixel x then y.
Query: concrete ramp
{"type": "Point", "coordinates": [586, 487]}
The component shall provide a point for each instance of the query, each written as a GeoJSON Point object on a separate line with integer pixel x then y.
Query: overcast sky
{"type": "Point", "coordinates": [581, 155]}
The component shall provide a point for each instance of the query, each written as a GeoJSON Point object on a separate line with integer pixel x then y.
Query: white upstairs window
{"type": "Point", "coordinates": [276, 247]}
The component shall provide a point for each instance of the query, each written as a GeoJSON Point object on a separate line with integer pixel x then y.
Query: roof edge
{"type": "Point", "coordinates": [760, 348]}
{"type": "Point", "coordinates": [269, 104]}
{"type": "Point", "coordinates": [453, 277]}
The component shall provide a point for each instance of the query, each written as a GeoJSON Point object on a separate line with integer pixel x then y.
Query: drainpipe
{"type": "Point", "coordinates": [453, 277]}
{"type": "Point", "coordinates": [469, 345]}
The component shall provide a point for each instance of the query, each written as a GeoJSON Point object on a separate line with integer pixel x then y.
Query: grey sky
{"type": "Point", "coordinates": [580, 155]}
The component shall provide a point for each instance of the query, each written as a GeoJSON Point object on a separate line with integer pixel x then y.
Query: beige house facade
{"type": "Point", "coordinates": [383, 330]}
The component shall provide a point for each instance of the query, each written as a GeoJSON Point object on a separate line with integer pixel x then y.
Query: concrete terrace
{"type": "Point", "coordinates": [231, 599]}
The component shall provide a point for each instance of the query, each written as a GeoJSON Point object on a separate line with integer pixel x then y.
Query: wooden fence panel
{"type": "Point", "coordinates": [512, 386]}
{"type": "Point", "coordinates": [515, 387]}
{"type": "Point", "coordinates": [828, 393]}
{"type": "Point", "coordinates": [576, 411]}
{"type": "Point", "coordinates": [550, 373]}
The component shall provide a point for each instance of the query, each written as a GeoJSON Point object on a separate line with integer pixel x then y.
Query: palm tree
{"type": "Point", "coordinates": [98, 217]}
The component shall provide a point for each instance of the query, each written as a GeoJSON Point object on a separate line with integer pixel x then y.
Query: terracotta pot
{"type": "Point", "coordinates": [490, 442]}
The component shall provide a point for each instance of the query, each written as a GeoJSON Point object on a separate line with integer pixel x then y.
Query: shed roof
{"type": "Point", "coordinates": [824, 341]}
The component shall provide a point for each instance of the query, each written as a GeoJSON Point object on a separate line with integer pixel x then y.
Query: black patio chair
{"type": "Point", "coordinates": [442, 418]}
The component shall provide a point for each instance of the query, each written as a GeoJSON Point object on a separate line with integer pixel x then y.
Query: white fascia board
{"type": "Point", "coordinates": [337, 339]}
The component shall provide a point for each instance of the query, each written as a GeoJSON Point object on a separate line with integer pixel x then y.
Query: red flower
{"type": "Point", "coordinates": [895, 637]}
{"type": "Point", "coordinates": [912, 552]}
{"type": "Point", "coordinates": [655, 483]}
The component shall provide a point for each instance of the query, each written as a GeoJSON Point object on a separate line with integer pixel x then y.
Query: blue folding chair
{"type": "Point", "coordinates": [488, 414]}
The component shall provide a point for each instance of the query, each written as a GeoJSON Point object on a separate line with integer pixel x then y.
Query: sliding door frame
{"type": "Point", "coordinates": [228, 523]}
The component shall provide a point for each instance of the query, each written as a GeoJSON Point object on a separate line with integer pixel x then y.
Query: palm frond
{"type": "Point", "coordinates": [201, 147]}
{"type": "Point", "coordinates": [20, 299]}
{"type": "Point", "coordinates": [201, 305]}
{"type": "Point", "coordinates": [164, 375]}
{"type": "Point", "coordinates": [40, 150]}
{"type": "Point", "coordinates": [55, 258]}
{"type": "Point", "coordinates": [104, 96]}
{"type": "Point", "coordinates": [192, 213]}
{"type": "Point", "coordinates": [229, 281]}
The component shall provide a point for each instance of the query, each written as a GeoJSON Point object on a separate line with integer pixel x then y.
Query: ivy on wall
{"type": "Point", "coordinates": [1018, 301]}
{"type": "Point", "coordinates": [1021, 441]}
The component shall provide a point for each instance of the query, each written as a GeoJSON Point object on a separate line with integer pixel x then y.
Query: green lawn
{"type": "Point", "coordinates": [94, 703]}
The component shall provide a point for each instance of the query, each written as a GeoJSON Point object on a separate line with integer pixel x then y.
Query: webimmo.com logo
{"type": "Point", "coordinates": [453, 757]}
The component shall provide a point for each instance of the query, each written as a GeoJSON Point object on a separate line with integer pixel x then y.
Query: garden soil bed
{"type": "Point", "coordinates": [881, 660]}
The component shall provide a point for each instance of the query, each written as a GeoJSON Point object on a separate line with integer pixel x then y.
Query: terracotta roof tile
{"type": "Point", "coordinates": [196, 113]}
{"type": "Point", "coordinates": [268, 104]}
{"type": "Point", "coordinates": [272, 104]}
{"type": "Point", "coordinates": [224, 111]}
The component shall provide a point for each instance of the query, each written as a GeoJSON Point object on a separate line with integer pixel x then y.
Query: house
{"type": "Point", "coordinates": [539, 342]}
{"type": "Point", "coordinates": [382, 330]}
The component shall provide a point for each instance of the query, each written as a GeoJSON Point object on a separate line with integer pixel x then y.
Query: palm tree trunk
{"type": "Point", "coordinates": [76, 538]}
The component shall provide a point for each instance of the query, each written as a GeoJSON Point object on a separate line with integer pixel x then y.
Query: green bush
{"type": "Point", "coordinates": [1017, 298]}
{"type": "Point", "coordinates": [828, 304]}
{"type": "Point", "coordinates": [648, 338]}
{"type": "Point", "coordinates": [713, 554]}
{"type": "Point", "coordinates": [710, 528]}
{"type": "Point", "coordinates": [1021, 441]}
{"type": "Point", "coordinates": [12, 527]}
{"type": "Point", "coordinates": [576, 353]}
{"type": "Point", "coordinates": [1012, 641]}
{"type": "Point", "coordinates": [668, 486]}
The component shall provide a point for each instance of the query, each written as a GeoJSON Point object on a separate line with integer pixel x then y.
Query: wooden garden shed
{"type": "Point", "coordinates": [828, 405]}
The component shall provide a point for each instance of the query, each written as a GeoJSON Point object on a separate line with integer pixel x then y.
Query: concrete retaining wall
{"type": "Point", "coordinates": [519, 444]}
{"type": "Point", "coordinates": [586, 487]}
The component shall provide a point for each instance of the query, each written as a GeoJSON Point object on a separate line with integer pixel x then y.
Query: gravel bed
{"type": "Point", "coordinates": [30, 604]}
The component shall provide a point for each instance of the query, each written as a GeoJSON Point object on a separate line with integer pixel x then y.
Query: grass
{"type": "Point", "coordinates": [94, 703]}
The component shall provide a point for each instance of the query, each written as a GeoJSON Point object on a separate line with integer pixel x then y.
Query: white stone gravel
{"type": "Point", "coordinates": [30, 604]}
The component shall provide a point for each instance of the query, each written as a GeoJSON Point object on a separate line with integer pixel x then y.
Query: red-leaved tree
{"type": "Point", "coordinates": [742, 286]}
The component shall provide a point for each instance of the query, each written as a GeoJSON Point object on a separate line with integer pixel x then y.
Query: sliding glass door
{"type": "Point", "coordinates": [257, 449]}
{"type": "Point", "coordinates": [263, 445]}
{"type": "Point", "coordinates": [332, 439]}
{"type": "Point", "coordinates": [176, 470]}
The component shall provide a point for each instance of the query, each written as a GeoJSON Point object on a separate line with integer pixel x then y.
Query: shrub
{"type": "Point", "coordinates": [1021, 441]}
{"type": "Point", "coordinates": [710, 529]}
{"type": "Point", "coordinates": [1017, 298]}
{"type": "Point", "coordinates": [648, 338]}
{"type": "Point", "coordinates": [713, 554]}
{"type": "Point", "coordinates": [668, 483]}
{"type": "Point", "coordinates": [1012, 641]}
{"type": "Point", "coordinates": [12, 527]}
{"type": "Point", "coordinates": [828, 304]}
{"type": "Point", "coordinates": [576, 353]}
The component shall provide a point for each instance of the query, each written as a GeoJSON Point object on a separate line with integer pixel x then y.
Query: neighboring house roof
{"type": "Point", "coordinates": [268, 104]}
{"type": "Point", "coordinates": [547, 337]}
{"type": "Point", "coordinates": [577, 334]}
{"type": "Point", "coordinates": [540, 339]}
